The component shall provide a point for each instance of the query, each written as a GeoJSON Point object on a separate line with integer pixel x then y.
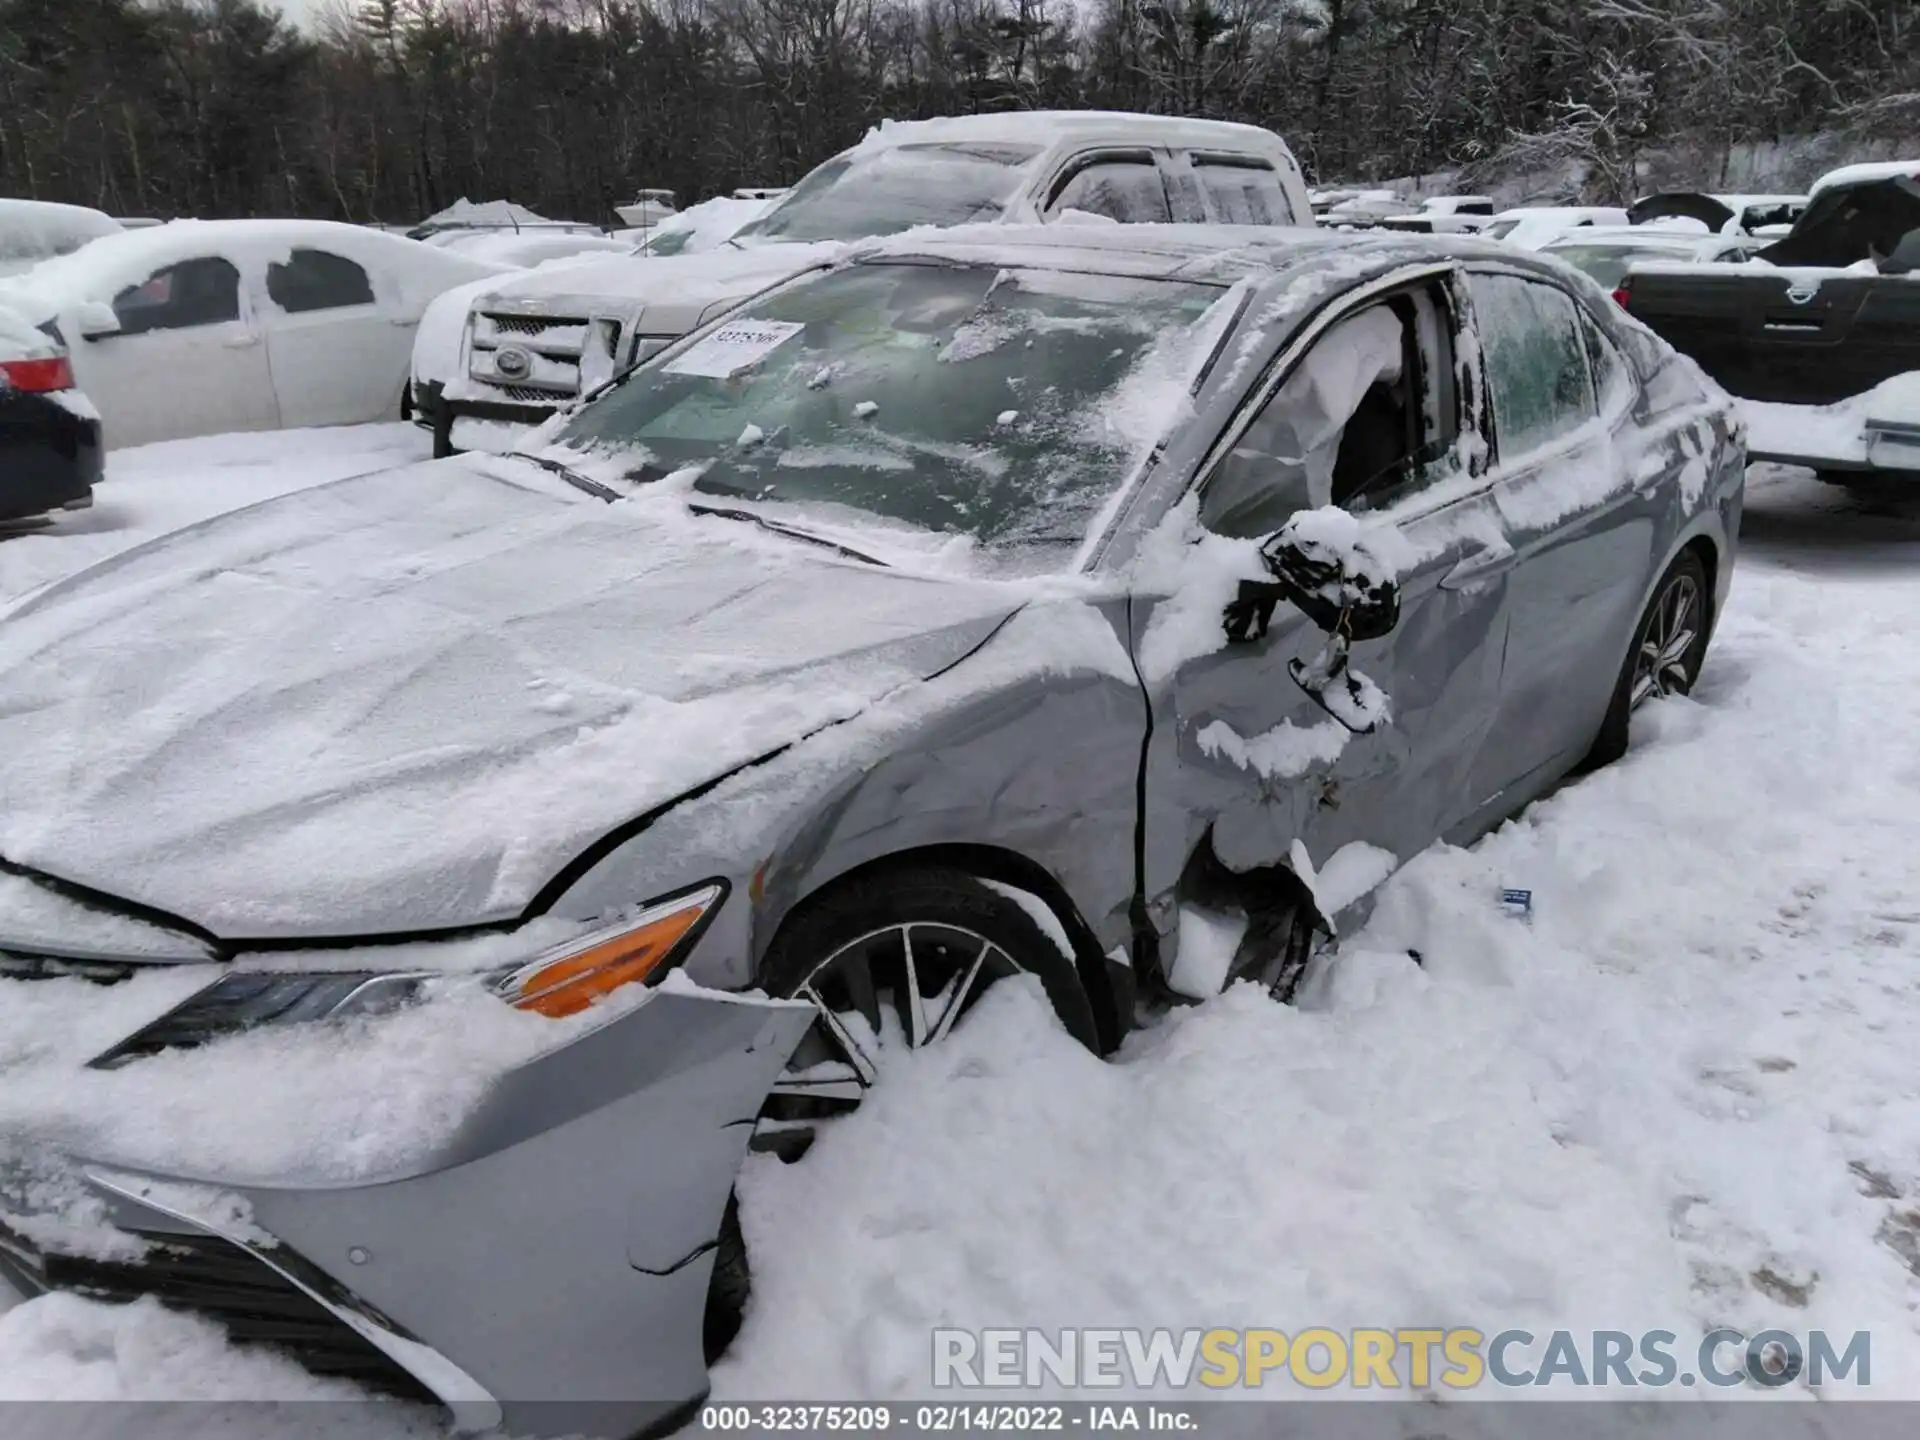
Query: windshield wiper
{"type": "Point", "coordinates": [793, 530]}
{"type": "Point", "coordinates": [567, 473]}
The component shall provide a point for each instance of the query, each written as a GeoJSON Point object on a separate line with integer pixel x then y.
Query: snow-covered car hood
{"type": "Point", "coordinates": [672, 292]}
{"type": "Point", "coordinates": [405, 701]}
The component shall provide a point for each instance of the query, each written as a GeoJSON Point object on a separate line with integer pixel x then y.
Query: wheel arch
{"type": "Point", "coordinates": [1106, 996]}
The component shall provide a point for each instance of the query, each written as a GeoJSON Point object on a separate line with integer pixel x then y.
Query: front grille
{"type": "Point", "coordinates": [519, 324]}
{"type": "Point", "coordinates": [209, 1276]}
{"type": "Point", "coordinates": [526, 394]}
{"type": "Point", "coordinates": [557, 356]}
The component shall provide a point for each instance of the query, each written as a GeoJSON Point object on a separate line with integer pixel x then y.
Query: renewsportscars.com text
{"type": "Point", "coordinates": [1392, 1359]}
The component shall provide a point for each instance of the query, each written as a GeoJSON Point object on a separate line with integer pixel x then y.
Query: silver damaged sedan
{"type": "Point", "coordinates": [981, 604]}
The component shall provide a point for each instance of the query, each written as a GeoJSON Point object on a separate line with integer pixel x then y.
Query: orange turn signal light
{"type": "Point", "coordinates": [572, 980]}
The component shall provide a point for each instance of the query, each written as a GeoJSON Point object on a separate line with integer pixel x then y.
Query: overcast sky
{"type": "Point", "coordinates": [301, 10]}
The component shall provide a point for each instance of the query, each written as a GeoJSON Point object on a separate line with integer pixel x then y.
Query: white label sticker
{"type": "Point", "coordinates": [735, 346]}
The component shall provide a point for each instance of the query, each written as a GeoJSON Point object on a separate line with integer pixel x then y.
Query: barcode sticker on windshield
{"type": "Point", "coordinates": [735, 346]}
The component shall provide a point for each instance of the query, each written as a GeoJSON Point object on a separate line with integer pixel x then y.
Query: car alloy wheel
{"type": "Point", "coordinates": [898, 987]}
{"type": "Point", "coordinates": [1660, 666]}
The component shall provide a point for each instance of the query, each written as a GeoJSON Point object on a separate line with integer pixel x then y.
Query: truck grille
{"type": "Point", "coordinates": [549, 360]}
{"type": "Point", "coordinates": [209, 1276]}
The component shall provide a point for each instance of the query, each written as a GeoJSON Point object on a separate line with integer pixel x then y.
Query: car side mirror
{"type": "Point", "coordinates": [95, 320]}
{"type": "Point", "coordinates": [1321, 566]}
{"type": "Point", "coordinates": [1330, 575]}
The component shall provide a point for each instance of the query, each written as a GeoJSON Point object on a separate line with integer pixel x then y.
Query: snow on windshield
{"type": "Point", "coordinates": [882, 191]}
{"type": "Point", "coordinates": [1017, 401]}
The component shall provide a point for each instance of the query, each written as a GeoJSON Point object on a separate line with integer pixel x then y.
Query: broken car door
{"type": "Point", "coordinates": [1366, 413]}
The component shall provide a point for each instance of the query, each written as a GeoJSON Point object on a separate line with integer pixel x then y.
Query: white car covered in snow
{"type": "Point", "coordinates": [1532, 227]}
{"type": "Point", "coordinates": [536, 343]}
{"type": "Point", "coordinates": [206, 326]}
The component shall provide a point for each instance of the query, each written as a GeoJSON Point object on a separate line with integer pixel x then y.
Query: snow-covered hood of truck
{"type": "Point", "coordinates": [406, 701]}
{"type": "Point", "coordinates": [671, 292]}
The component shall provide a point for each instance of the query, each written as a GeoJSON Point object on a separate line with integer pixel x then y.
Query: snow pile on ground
{"type": "Point", "coordinates": [1680, 1096]}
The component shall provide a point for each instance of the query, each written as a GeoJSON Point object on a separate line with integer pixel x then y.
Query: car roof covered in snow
{"type": "Point", "coordinates": [1651, 236]}
{"type": "Point", "coordinates": [83, 275]}
{"type": "Point", "coordinates": [1050, 127]}
{"type": "Point", "coordinates": [1865, 174]}
{"type": "Point", "coordinates": [1205, 254]}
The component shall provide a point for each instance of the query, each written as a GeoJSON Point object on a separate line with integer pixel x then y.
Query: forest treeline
{"type": "Point", "coordinates": [388, 109]}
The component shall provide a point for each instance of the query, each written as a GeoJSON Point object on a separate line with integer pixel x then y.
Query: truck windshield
{"type": "Point", "coordinates": [883, 191]}
{"type": "Point", "coordinates": [1006, 405]}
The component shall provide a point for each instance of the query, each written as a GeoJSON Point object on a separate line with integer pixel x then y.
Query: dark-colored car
{"type": "Point", "coordinates": [980, 606]}
{"type": "Point", "coordinates": [49, 432]}
{"type": "Point", "coordinates": [1812, 328]}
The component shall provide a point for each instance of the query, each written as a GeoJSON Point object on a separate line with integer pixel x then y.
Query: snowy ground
{"type": "Point", "coordinates": [1682, 1095]}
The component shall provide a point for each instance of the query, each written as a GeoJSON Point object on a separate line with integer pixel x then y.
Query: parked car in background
{"type": "Point", "coordinates": [1721, 214]}
{"type": "Point", "coordinates": [36, 230]}
{"type": "Point", "coordinates": [204, 326]}
{"type": "Point", "coordinates": [1322, 200]}
{"type": "Point", "coordinates": [49, 433]}
{"type": "Point", "coordinates": [647, 209]}
{"type": "Point", "coordinates": [1531, 226]}
{"type": "Point", "coordinates": [1368, 208]}
{"type": "Point", "coordinates": [707, 225]}
{"type": "Point", "coordinates": [464, 216]}
{"type": "Point", "coordinates": [538, 342]}
{"type": "Point", "coordinates": [1822, 341]}
{"type": "Point", "coordinates": [1444, 215]}
{"type": "Point", "coordinates": [1607, 254]}
{"type": "Point", "coordinates": [997, 560]}
{"type": "Point", "coordinates": [525, 248]}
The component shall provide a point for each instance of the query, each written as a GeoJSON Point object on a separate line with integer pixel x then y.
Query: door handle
{"type": "Point", "coordinates": [1481, 565]}
{"type": "Point", "coordinates": [241, 342]}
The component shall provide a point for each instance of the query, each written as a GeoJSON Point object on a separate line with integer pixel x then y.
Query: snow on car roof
{"type": "Point", "coordinates": [1047, 127]}
{"type": "Point", "coordinates": [1862, 174]}
{"type": "Point", "coordinates": [1642, 237]}
{"type": "Point", "coordinates": [1218, 254]}
{"type": "Point", "coordinates": [485, 212]}
{"type": "Point", "coordinates": [1528, 212]}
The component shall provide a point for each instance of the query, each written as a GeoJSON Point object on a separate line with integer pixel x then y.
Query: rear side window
{"type": "Point", "coordinates": [1535, 341]}
{"type": "Point", "coordinates": [181, 296]}
{"type": "Point", "coordinates": [1243, 191]}
{"type": "Point", "coordinates": [1126, 188]}
{"type": "Point", "coordinates": [317, 280]}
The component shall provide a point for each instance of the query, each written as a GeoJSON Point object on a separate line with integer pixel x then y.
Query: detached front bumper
{"type": "Point", "coordinates": [544, 1269]}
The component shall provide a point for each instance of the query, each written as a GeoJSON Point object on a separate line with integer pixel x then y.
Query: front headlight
{"type": "Point", "coordinates": [568, 980]}
{"type": "Point", "coordinates": [562, 981]}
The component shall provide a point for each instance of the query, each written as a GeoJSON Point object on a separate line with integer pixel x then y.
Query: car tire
{"type": "Point", "coordinates": [727, 1291]}
{"type": "Point", "coordinates": [1669, 646]}
{"type": "Point", "coordinates": [959, 928]}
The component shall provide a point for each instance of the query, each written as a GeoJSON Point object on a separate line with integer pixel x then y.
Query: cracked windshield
{"type": "Point", "coordinates": [998, 404]}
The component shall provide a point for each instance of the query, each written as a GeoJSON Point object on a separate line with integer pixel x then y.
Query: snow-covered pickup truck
{"type": "Point", "coordinates": [535, 343]}
{"type": "Point", "coordinates": [1821, 340]}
